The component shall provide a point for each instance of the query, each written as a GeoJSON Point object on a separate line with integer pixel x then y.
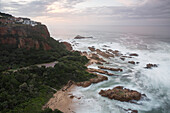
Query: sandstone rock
{"type": "Point", "coordinates": [121, 94]}
{"type": "Point", "coordinates": [112, 69]}
{"type": "Point", "coordinates": [68, 46]}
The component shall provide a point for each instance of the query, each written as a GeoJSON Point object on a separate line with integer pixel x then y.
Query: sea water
{"type": "Point", "coordinates": [151, 43]}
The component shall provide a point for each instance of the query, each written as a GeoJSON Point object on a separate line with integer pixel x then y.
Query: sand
{"type": "Point", "coordinates": [62, 100]}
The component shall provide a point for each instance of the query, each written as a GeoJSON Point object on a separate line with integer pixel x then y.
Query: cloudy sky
{"type": "Point", "coordinates": [91, 12]}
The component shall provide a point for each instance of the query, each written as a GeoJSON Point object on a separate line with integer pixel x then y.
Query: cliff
{"type": "Point", "coordinates": [23, 33]}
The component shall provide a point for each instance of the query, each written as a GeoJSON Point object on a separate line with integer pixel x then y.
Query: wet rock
{"type": "Point", "coordinates": [100, 71]}
{"type": "Point", "coordinates": [96, 57]}
{"type": "Point", "coordinates": [99, 63]}
{"type": "Point", "coordinates": [92, 49]}
{"type": "Point", "coordinates": [121, 94]}
{"type": "Point", "coordinates": [112, 69]}
{"type": "Point", "coordinates": [131, 62]}
{"type": "Point", "coordinates": [150, 66]}
{"type": "Point", "coordinates": [81, 37]}
{"type": "Point", "coordinates": [133, 54]}
{"type": "Point", "coordinates": [115, 52]}
{"type": "Point", "coordinates": [93, 80]}
{"type": "Point", "coordinates": [123, 59]}
{"type": "Point", "coordinates": [104, 54]}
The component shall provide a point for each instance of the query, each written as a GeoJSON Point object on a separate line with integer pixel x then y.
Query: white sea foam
{"type": "Point", "coordinates": [152, 82]}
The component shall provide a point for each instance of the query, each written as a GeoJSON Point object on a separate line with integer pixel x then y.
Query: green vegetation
{"type": "Point", "coordinates": [27, 90]}
{"type": "Point", "coordinates": [12, 57]}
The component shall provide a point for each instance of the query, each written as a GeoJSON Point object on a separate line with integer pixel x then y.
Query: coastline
{"type": "Point", "coordinates": [62, 100]}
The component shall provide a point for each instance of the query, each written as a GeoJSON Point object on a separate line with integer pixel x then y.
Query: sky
{"type": "Point", "coordinates": [91, 12]}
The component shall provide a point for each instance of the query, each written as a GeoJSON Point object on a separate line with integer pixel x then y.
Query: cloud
{"type": "Point", "coordinates": [65, 10]}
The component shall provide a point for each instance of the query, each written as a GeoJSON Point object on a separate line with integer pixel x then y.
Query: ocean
{"type": "Point", "coordinates": [151, 43]}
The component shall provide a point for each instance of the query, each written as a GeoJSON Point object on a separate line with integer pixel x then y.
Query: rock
{"type": "Point", "coordinates": [133, 54]}
{"type": "Point", "coordinates": [121, 94]}
{"type": "Point", "coordinates": [93, 80]}
{"type": "Point", "coordinates": [104, 54]}
{"type": "Point", "coordinates": [100, 63]}
{"type": "Point", "coordinates": [92, 49]}
{"type": "Point", "coordinates": [81, 37]}
{"type": "Point", "coordinates": [72, 96]}
{"type": "Point", "coordinates": [96, 57]}
{"type": "Point", "coordinates": [149, 66]}
{"type": "Point", "coordinates": [131, 62]}
{"type": "Point", "coordinates": [123, 59]}
{"type": "Point", "coordinates": [115, 52]}
{"type": "Point", "coordinates": [68, 46]}
{"type": "Point", "coordinates": [112, 69]}
{"type": "Point", "coordinates": [100, 71]}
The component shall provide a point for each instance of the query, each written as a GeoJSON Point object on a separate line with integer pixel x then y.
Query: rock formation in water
{"type": "Point", "coordinates": [122, 94]}
{"type": "Point", "coordinates": [81, 37]}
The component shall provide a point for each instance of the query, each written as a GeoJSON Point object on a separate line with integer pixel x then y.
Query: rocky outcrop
{"type": "Point", "coordinates": [150, 66]}
{"type": "Point", "coordinates": [133, 54]}
{"type": "Point", "coordinates": [91, 70]}
{"type": "Point", "coordinates": [132, 62]}
{"type": "Point", "coordinates": [100, 78]}
{"type": "Point", "coordinates": [25, 36]}
{"type": "Point", "coordinates": [111, 69]}
{"type": "Point", "coordinates": [68, 46]}
{"type": "Point", "coordinates": [92, 49]}
{"type": "Point", "coordinates": [81, 37]}
{"type": "Point", "coordinates": [115, 52]}
{"type": "Point", "coordinates": [121, 94]}
{"type": "Point", "coordinates": [104, 54]}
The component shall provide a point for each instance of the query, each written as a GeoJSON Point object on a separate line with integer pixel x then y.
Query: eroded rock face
{"type": "Point", "coordinates": [121, 94]}
{"type": "Point", "coordinates": [150, 66]}
{"type": "Point", "coordinates": [68, 46]}
{"type": "Point", "coordinates": [25, 36]}
{"type": "Point", "coordinates": [112, 69]}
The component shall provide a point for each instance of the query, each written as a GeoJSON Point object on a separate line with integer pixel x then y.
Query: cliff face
{"type": "Point", "coordinates": [24, 35]}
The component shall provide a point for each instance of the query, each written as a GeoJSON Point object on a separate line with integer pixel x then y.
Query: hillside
{"type": "Point", "coordinates": [30, 41]}
{"type": "Point", "coordinates": [26, 90]}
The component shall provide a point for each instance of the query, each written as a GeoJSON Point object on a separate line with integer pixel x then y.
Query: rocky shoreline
{"type": "Point", "coordinates": [96, 56]}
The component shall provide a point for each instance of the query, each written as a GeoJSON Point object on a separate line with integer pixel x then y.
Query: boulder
{"type": "Point", "coordinates": [121, 94]}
